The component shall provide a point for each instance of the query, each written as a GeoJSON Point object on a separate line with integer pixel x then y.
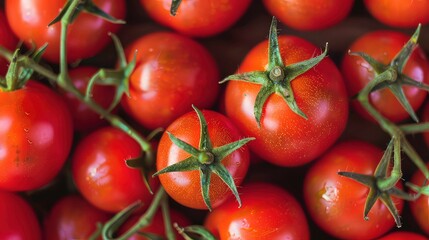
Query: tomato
{"type": "Point", "coordinates": [7, 40]}
{"type": "Point", "coordinates": [399, 13]}
{"type": "Point", "coordinates": [101, 174]}
{"type": "Point", "coordinates": [199, 18]}
{"type": "Point", "coordinates": [36, 134]}
{"type": "Point", "coordinates": [268, 212]}
{"type": "Point", "coordinates": [336, 203]}
{"type": "Point", "coordinates": [309, 14]}
{"type": "Point", "coordinates": [383, 45]}
{"type": "Point", "coordinates": [156, 226]}
{"type": "Point", "coordinates": [84, 118]}
{"type": "Point", "coordinates": [185, 186]}
{"type": "Point", "coordinates": [425, 118]}
{"type": "Point", "coordinates": [18, 219]}
{"type": "Point", "coordinates": [401, 235]}
{"type": "Point", "coordinates": [420, 207]}
{"type": "Point", "coordinates": [284, 137]}
{"type": "Point", "coordinates": [87, 36]}
{"type": "Point", "coordinates": [172, 73]}
{"type": "Point", "coordinates": [72, 217]}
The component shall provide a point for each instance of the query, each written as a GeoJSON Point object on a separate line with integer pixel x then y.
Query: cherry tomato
{"type": "Point", "coordinates": [87, 36]}
{"type": "Point", "coordinates": [309, 14]}
{"type": "Point", "coordinates": [399, 13]}
{"type": "Point", "coordinates": [383, 46]}
{"type": "Point", "coordinates": [268, 212]}
{"type": "Point", "coordinates": [84, 118]}
{"type": "Point", "coordinates": [18, 219]}
{"type": "Point", "coordinates": [200, 18]}
{"type": "Point", "coordinates": [420, 207]}
{"type": "Point", "coordinates": [336, 203]}
{"type": "Point", "coordinates": [101, 174]}
{"type": "Point", "coordinates": [185, 187]}
{"type": "Point", "coordinates": [172, 73]}
{"type": "Point", "coordinates": [285, 138]}
{"type": "Point", "coordinates": [72, 217]}
{"type": "Point", "coordinates": [7, 40]}
{"type": "Point", "coordinates": [36, 134]}
{"type": "Point", "coordinates": [402, 235]}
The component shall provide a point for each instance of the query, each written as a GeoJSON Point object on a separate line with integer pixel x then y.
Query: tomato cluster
{"type": "Point", "coordinates": [232, 119]}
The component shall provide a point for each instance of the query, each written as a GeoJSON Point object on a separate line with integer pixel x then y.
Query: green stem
{"type": "Point", "coordinates": [169, 231]}
{"type": "Point", "coordinates": [396, 173]}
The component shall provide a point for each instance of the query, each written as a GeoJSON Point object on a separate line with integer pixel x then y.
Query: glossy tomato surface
{"type": "Point", "coordinates": [172, 73]}
{"type": "Point", "coordinates": [383, 45]}
{"type": "Point", "coordinates": [87, 36]}
{"type": "Point", "coordinates": [199, 18]}
{"type": "Point", "coordinates": [101, 174]}
{"type": "Point", "coordinates": [7, 40]}
{"type": "Point", "coordinates": [285, 138]}
{"type": "Point", "coordinates": [336, 203]}
{"type": "Point", "coordinates": [420, 207]}
{"type": "Point", "coordinates": [309, 14]}
{"type": "Point", "coordinates": [184, 187]}
{"type": "Point", "coordinates": [36, 133]}
{"type": "Point", "coordinates": [18, 219]}
{"type": "Point", "coordinates": [403, 235]}
{"type": "Point", "coordinates": [268, 212]}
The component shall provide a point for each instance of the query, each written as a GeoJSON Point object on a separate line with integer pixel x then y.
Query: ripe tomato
{"type": "Point", "coordinates": [7, 40]}
{"type": "Point", "coordinates": [309, 14]}
{"type": "Point", "coordinates": [72, 217]}
{"type": "Point", "coordinates": [87, 36]}
{"type": "Point", "coordinates": [268, 212]}
{"type": "Point", "coordinates": [172, 73]}
{"type": "Point", "coordinates": [18, 219]}
{"type": "Point", "coordinates": [285, 138]}
{"type": "Point", "coordinates": [101, 174]}
{"type": "Point", "coordinates": [420, 207]}
{"type": "Point", "coordinates": [402, 235]}
{"type": "Point", "coordinates": [36, 133]}
{"type": "Point", "coordinates": [200, 18]}
{"type": "Point", "coordinates": [383, 46]}
{"type": "Point", "coordinates": [336, 203]}
{"type": "Point", "coordinates": [185, 187]}
{"type": "Point", "coordinates": [399, 13]}
{"type": "Point", "coordinates": [84, 118]}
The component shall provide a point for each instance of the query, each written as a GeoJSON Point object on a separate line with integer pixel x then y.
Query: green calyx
{"type": "Point", "coordinates": [206, 159]}
{"type": "Point", "coordinates": [174, 6]}
{"type": "Point", "coordinates": [277, 77]}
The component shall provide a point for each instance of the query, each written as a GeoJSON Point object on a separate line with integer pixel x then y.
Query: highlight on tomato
{"type": "Point", "coordinates": [7, 40]}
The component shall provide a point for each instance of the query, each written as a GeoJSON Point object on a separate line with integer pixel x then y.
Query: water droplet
{"type": "Point", "coordinates": [27, 113]}
{"type": "Point", "coordinates": [29, 141]}
{"type": "Point", "coordinates": [26, 130]}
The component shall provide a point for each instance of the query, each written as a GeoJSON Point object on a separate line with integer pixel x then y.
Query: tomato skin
{"type": "Point", "coordinates": [184, 187]}
{"type": "Point", "coordinates": [399, 13]}
{"type": "Point", "coordinates": [268, 212]}
{"type": "Point", "coordinates": [336, 203]}
{"type": "Point", "coordinates": [200, 18]}
{"type": "Point", "coordinates": [172, 73]}
{"type": "Point", "coordinates": [420, 207]}
{"type": "Point", "coordinates": [7, 40]}
{"type": "Point", "coordinates": [285, 138]}
{"type": "Point", "coordinates": [35, 136]}
{"type": "Point", "coordinates": [72, 217]}
{"type": "Point", "coordinates": [309, 15]}
{"type": "Point", "coordinates": [87, 36]}
{"type": "Point", "coordinates": [84, 118]}
{"type": "Point", "coordinates": [383, 46]}
{"type": "Point", "coordinates": [100, 172]}
{"type": "Point", "coordinates": [401, 235]}
{"type": "Point", "coordinates": [18, 219]}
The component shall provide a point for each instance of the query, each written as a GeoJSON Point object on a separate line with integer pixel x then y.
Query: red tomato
{"type": "Point", "coordinates": [399, 13]}
{"type": "Point", "coordinates": [268, 212]}
{"type": "Point", "coordinates": [72, 217]}
{"type": "Point", "coordinates": [18, 220]}
{"type": "Point", "coordinates": [36, 134]}
{"type": "Point", "coordinates": [184, 187]}
{"type": "Point", "coordinates": [87, 36]}
{"type": "Point", "coordinates": [7, 40]}
{"type": "Point", "coordinates": [420, 207]}
{"type": "Point", "coordinates": [336, 203]}
{"type": "Point", "coordinates": [100, 172]}
{"type": "Point", "coordinates": [309, 14]}
{"type": "Point", "coordinates": [425, 118]}
{"type": "Point", "coordinates": [402, 235]}
{"type": "Point", "coordinates": [285, 138]}
{"type": "Point", "coordinates": [383, 47]}
{"type": "Point", "coordinates": [172, 73]}
{"type": "Point", "coordinates": [200, 18]}
{"type": "Point", "coordinates": [84, 118]}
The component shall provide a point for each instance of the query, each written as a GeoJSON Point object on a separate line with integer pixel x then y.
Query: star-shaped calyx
{"type": "Point", "coordinates": [277, 77]}
{"type": "Point", "coordinates": [206, 159]}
